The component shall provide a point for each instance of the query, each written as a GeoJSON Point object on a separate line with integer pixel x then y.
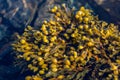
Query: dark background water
{"type": "Point", "coordinates": [15, 15]}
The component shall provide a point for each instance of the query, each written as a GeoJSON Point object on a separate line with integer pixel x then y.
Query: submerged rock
{"type": "Point", "coordinates": [8, 72]}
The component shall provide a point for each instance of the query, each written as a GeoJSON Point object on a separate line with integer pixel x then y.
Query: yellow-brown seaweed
{"type": "Point", "coordinates": [69, 43]}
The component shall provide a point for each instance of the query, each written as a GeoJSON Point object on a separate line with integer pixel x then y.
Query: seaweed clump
{"type": "Point", "coordinates": [71, 46]}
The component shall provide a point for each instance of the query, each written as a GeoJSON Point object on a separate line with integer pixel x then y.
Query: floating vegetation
{"type": "Point", "coordinates": [74, 45]}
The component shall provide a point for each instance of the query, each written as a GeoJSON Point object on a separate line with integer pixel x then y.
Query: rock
{"type": "Point", "coordinates": [112, 7]}
{"type": "Point", "coordinates": [8, 72]}
{"type": "Point", "coordinates": [5, 50]}
{"type": "Point", "coordinates": [3, 31]}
